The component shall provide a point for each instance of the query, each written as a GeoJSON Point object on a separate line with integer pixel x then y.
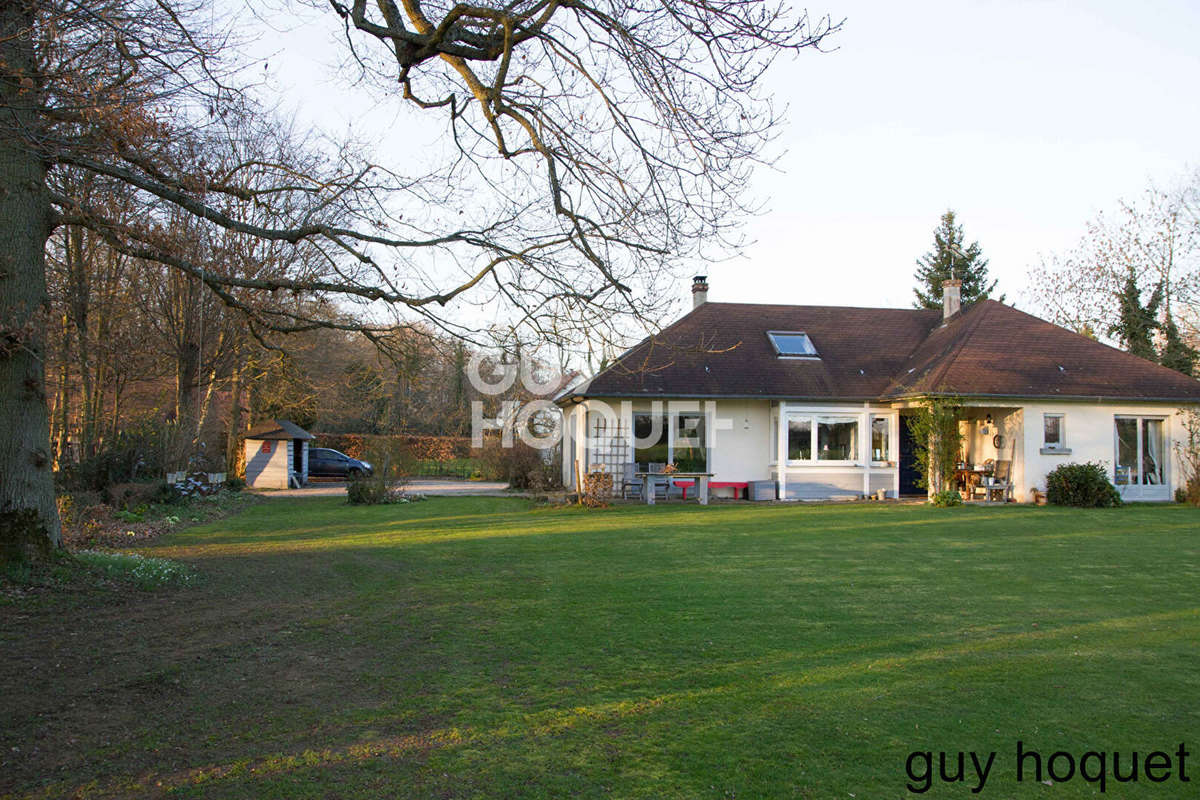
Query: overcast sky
{"type": "Point", "coordinates": [1024, 117]}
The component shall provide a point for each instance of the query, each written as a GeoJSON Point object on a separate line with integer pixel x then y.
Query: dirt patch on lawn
{"type": "Point", "coordinates": [115, 689]}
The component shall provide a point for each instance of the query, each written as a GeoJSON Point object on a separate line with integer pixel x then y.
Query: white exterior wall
{"type": "Point", "coordinates": [739, 452]}
{"type": "Point", "coordinates": [268, 470]}
{"type": "Point", "coordinates": [742, 451]}
{"type": "Point", "coordinates": [1090, 435]}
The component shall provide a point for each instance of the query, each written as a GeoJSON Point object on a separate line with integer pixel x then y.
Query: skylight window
{"type": "Point", "coordinates": [792, 344]}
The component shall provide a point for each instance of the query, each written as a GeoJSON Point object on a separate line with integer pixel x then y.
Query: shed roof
{"type": "Point", "coordinates": [278, 429]}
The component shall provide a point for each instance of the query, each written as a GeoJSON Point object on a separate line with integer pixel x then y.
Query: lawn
{"type": "Point", "coordinates": [478, 647]}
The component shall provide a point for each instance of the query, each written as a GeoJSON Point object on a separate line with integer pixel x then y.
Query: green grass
{"type": "Point", "coordinates": [475, 647]}
{"type": "Point", "coordinates": [143, 572]}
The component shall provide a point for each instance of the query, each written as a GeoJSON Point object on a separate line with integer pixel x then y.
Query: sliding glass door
{"type": "Point", "coordinates": [1141, 458]}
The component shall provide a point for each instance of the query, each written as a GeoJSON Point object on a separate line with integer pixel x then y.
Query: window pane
{"type": "Point", "coordinates": [1127, 452]}
{"type": "Point", "coordinates": [1152, 452]}
{"type": "Point", "coordinates": [1053, 428]}
{"type": "Point", "coordinates": [793, 344]}
{"type": "Point", "coordinates": [799, 439]}
{"type": "Point", "coordinates": [649, 438]}
{"type": "Point", "coordinates": [837, 440]}
{"type": "Point", "coordinates": [690, 455]}
{"type": "Point", "coordinates": [879, 439]}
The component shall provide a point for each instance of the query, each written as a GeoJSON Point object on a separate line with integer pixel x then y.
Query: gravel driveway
{"type": "Point", "coordinates": [429, 486]}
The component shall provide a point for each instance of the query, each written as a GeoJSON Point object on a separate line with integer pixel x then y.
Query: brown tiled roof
{"type": "Point", "coordinates": [722, 350]}
{"type": "Point", "coordinates": [994, 349]}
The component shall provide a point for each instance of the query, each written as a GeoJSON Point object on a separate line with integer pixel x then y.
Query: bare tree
{"type": "Point", "coordinates": [1156, 239]}
{"type": "Point", "coordinates": [594, 145]}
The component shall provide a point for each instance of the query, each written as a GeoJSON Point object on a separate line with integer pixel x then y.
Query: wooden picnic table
{"type": "Point", "coordinates": [649, 479]}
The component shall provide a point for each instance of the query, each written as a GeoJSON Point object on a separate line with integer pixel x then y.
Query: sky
{"type": "Point", "coordinates": [1026, 118]}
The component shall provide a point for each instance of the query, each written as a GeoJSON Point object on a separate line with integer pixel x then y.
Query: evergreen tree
{"type": "Point", "coordinates": [948, 259]}
{"type": "Point", "coordinates": [1176, 353]}
{"type": "Point", "coordinates": [1137, 323]}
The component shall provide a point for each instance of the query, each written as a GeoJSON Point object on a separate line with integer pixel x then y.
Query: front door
{"type": "Point", "coordinates": [908, 460]}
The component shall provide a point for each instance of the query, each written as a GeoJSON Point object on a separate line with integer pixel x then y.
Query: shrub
{"type": "Point", "coordinates": [1187, 449]}
{"type": "Point", "coordinates": [372, 491]}
{"type": "Point", "coordinates": [1082, 486]}
{"type": "Point", "coordinates": [523, 467]}
{"type": "Point", "coordinates": [385, 485]}
{"type": "Point", "coordinates": [132, 454]}
{"type": "Point", "coordinates": [22, 537]}
{"type": "Point", "coordinates": [234, 484]}
{"type": "Point", "coordinates": [946, 498]}
{"type": "Point", "coordinates": [131, 495]}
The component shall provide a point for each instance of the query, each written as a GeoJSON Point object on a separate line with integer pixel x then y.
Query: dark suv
{"type": "Point", "coordinates": [326, 463]}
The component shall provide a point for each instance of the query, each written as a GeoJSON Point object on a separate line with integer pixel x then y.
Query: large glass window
{"type": "Point", "coordinates": [653, 442]}
{"type": "Point", "coordinates": [691, 455]}
{"type": "Point", "coordinates": [1153, 473]}
{"type": "Point", "coordinates": [650, 438]}
{"type": "Point", "coordinates": [822, 438]}
{"type": "Point", "coordinates": [799, 438]}
{"type": "Point", "coordinates": [880, 438]}
{"type": "Point", "coordinates": [1127, 452]}
{"type": "Point", "coordinates": [837, 439]}
{"type": "Point", "coordinates": [1141, 449]}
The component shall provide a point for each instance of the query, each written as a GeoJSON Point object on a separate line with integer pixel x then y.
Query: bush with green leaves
{"type": "Point", "coordinates": [1081, 485]}
{"type": "Point", "coordinates": [946, 498]}
{"type": "Point", "coordinates": [937, 441]}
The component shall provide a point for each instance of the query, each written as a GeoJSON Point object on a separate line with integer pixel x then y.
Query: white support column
{"type": "Point", "coordinates": [894, 452]}
{"type": "Point", "coordinates": [864, 447]}
{"type": "Point", "coordinates": [580, 441]}
{"type": "Point", "coordinates": [627, 420]}
{"type": "Point", "coordinates": [709, 409]}
{"type": "Point", "coordinates": [781, 462]}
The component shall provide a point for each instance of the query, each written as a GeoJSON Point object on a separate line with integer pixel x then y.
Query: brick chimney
{"type": "Point", "coordinates": [951, 298]}
{"type": "Point", "coordinates": [699, 290]}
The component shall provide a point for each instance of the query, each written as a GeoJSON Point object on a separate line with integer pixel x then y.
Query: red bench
{"type": "Point", "coordinates": [743, 487]}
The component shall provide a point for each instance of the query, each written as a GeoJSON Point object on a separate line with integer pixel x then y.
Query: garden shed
{"type": "Point", "coordinates": [277, 455]}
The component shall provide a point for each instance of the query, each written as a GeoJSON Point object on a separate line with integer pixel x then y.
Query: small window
{"type": "Point", "coordinates": [790, 344]}
{"type": "Point", "coordinates": [1054, 437]}
{"type": "Point", "coordinates": [880, 428]}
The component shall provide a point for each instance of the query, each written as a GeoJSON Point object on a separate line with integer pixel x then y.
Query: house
{"type": "Point", "coordinates": [818, 399]}
{"type": "Point", "coordinates": [277, 455]}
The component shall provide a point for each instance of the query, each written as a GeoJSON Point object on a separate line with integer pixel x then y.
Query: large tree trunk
{"type": "Point", "coordinates": [26, 480]}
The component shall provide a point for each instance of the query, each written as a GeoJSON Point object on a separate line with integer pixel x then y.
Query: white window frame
{"type": "Point", "coordinates": [1139, 487]}
{"type": "Point", "coordinates": [814, 356]}
{"type": "Point", "coordinates": [1061, 444]}
{"type": "Point", "coordinates": [815, 418]}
